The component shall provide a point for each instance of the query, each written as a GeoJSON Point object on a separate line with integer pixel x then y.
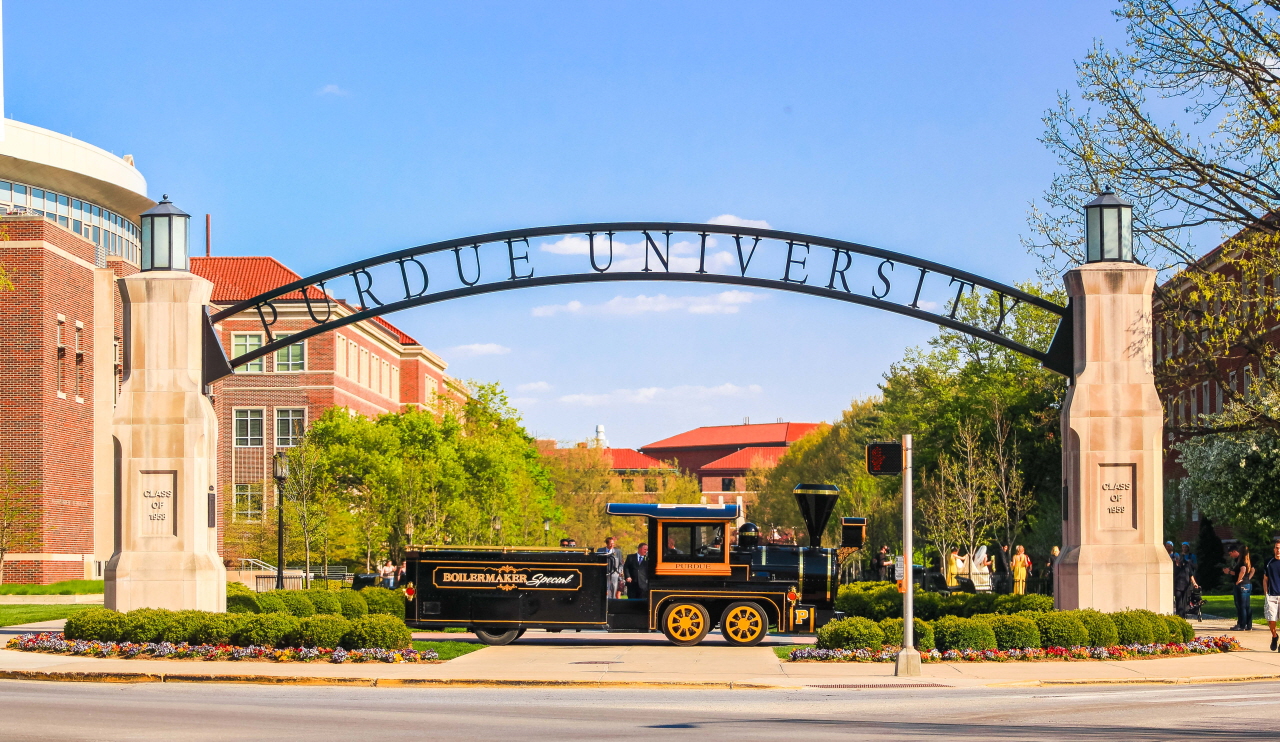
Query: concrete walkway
{"type": "Point", "coordinates": [588, 658]}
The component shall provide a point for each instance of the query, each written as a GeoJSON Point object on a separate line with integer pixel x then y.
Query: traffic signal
{"type": "Point", "coordinates": [884, 458]}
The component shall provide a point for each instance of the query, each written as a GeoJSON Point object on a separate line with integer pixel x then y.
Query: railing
{"type": "Point", "coordinates": [293, 578]}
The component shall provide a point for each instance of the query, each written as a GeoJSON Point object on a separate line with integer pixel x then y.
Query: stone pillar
{"type": "Point", "coordinates": [165, 438]}
{"type": "Point", "coordinates": [1112, 423]}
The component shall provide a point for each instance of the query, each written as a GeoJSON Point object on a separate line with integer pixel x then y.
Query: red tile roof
{"type": "Point", "coordinates": [629, 458]}
{"type": "Point", "coordinates": [747, 458]}
{"type": "Point", "coordinates": [239, 278]}
{"type": "Point", "coordinates": [776, 434]}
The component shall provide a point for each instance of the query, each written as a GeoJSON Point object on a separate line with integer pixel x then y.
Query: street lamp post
{"type": "Point", "coordinates": [496, 525]}
{"type": "Point", "coordinates": [280, 470]}
{"type": "Point", "coordinates": [546, 531]}
{"type": "Point", "coordinates": [1108, 226]}
{"type": "Point", "coordinates": [165, 237]}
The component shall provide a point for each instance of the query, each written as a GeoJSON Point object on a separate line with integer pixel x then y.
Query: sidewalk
{"type": "Point", "coordinates": [541, 659]}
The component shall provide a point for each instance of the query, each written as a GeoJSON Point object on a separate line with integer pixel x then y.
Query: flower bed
{"type": "Point", "coordinates": [55, 643]}
{"type": "Point", "coordinates": [1200, 645]}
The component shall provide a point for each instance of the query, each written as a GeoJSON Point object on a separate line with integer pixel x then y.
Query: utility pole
{"type": "Point", "coordinates": [909, 658]}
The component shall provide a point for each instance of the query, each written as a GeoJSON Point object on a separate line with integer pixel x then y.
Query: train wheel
{"type": "Point", "coordinates": [744, 624]}
{"type": "Point", "coordinates": [498, 638]}
{"type": "Point", "coordinates": [685, 623]}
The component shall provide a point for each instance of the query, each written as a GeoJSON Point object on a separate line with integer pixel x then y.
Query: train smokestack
{"type": "Point", "coordinates": [816, 502]}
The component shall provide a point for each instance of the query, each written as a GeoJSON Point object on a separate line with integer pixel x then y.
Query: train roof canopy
{"type": "Point", "coordinates": [723, 511]}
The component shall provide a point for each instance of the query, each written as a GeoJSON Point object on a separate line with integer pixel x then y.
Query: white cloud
{"type": "Point", "coordinates": [535, 386]}
{"type": "Point", "coordinates": [724, 302]}
{"type": "Point", "coordinates": [670, 395]}
{"type": "Point", "coordinates": [684, 255]}
{"type": "Point", "coordinates": [729, 220]}
{"type": "Point", "coordinates": [332, 89]}
{"type": "Point", "coordinates": [481, 349]}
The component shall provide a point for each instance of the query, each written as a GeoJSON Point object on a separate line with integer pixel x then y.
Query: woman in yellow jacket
{"type": "Point", "coordinates": [1021, 566]}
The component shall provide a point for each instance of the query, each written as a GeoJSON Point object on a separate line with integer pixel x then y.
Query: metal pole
{"type": "Point", "coordinates": [280, 535]}
{"type": "Point", "coordinates": [908, 659]}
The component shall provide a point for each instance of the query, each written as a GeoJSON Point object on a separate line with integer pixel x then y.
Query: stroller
{"type": "Point", "coordinates": [1195, 602]}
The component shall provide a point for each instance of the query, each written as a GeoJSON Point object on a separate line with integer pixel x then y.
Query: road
{"type": "Point", "coordinates": [83, 711]}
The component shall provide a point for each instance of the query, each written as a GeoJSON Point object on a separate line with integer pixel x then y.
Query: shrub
{"type": "Point", "coordinates": [265, 630]}
{"type": "Point", "coordinates": [1159, 629]}
{"type": "Point", "coordinates": [855, 632]}
{"type": "Point", "coordinates": [217, 628]}
{"type": "Point", "coordinates": [1012, 632]}
{"type": "Point", "coordinates": [980, 603]}
{"type": "Point", "coordinates": [325, 601]}
{"type": "Point", "coordinates": [382, 600]}
{"type": "Point", "coordinates": [295, 602]}
{"type": "Point", "coordinates": [240, 603]}
{"type": "Point", "coordinates": [876, 603]}
{"type": "Point", "coordinates": [1061, 630]}
{"type": "Point", "coordinates": [378, 631]}
{"type": "Point", "coordinates": [183, 627]}
{"type": "Point", "coordinates": [321, 631]}
{"type": "Point", "coordinates": [1101, 629]}
{"type": "Point", "coordinates": [95, 624]}
{"type": "Point", "coordinates": [353, 605]}
{"type": "Point", "coordinates": [892, 628]}
{"type": "Point", "coordinates": [238, 588]}
{"type": "Point", "coordinates": [145, 624]}
{"type": "Point", "coordinates": [953, 632]}
{"type": "Point", "coordinates": [870, 585]}
{"type": "Point", "coordinates": [928, 606]}
{"type": "Point", "coordinates": [1010, 604]}
{"type": "Point", "coordinates": [1131, 627]}
{"type": "Point", "coordinates": [271, 603]}
{"type": "Point", "coordinates": [1179, 629]}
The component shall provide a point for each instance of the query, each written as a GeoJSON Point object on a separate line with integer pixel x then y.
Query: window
{"type": "Point", "coordinates": [248, 428]}
{"type": "Point", "coordinates": [628, 485]}
{"type": "Point", "coordinates": [1204, 398]}
{"type": "Point", "coordinates": [650, 484]}
{"type": "Point", "coordinates": [292, 358]}
{"type": "Point", "coordinates": [61, 351]}
{"type": "Point", "coordinates": [241, 344]}
{"type": "Point", "coordinates": [340, 355]}
{"type": "Point", "coordinates": [692, 542]}
{"type": "Point", "coordinates": [248, 503]}
{"type": "Point", "coordinates": [1217, 392]}
{"type": "Point", "coordinates": [290, 425]}
{"type": "Point", "coordinates": [1248, 382]}
{"type": "Point", "coordinates": [728, 484]}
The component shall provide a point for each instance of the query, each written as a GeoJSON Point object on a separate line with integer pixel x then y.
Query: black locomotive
{"type": "Point", "coordinates": [698, 579]}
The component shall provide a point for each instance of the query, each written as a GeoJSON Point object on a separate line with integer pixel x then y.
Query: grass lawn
{"type": "Point", "coordinates": [1224, 606]}
{"type": "Point", "coordinates": [784, 652]}
{"type": "Point", "coordinates": [12, 615]}
{"type": "Point", "coordinates": [449, 650]}
{"type": "Point", "coordinates": [66, 587]}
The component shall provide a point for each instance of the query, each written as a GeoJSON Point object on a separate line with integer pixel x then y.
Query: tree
{"type": "Point", "coordinates": [309, 492]}
{"type": "Point", "coordinates": [17, 523]}
{"type": "Point", "coordinates": [966, 482]}
{"type": "Point", "coordinates": [1208, 556]}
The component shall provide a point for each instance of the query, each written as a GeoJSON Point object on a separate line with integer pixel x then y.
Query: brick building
{"type": "Point", "coordinates": [370, 367]}
{"type": "Point", "coordinates": [721, 456]}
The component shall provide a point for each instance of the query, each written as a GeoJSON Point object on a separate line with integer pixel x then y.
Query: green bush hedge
{"type": "Point", "coordinates": [854, 632]}
{"type": "Point", "coordinates": [238, 588]}
{"type": "Point", "coordinates": [384, 601]}
{"type": "Point", "coordinates": [1131, 627]}
{"type": "Point", "coordinates": [880, 600]}
{"type": "Point", "coordinates": [325, 601]}
{"type": "Point", "coordinates": [1101, 629]}
{"type": "Point", "coordinates": [1012, 632]}
{"type": "Point", "coordinates": [145, 624]}
{"type": "Point", "coordinates": [217, 628]}
{"type": "Point", "coordinates": [353, 606]}
{"type": "Point", "coordinates": [1159, 629]}
{"type": "Point", "coordinates": [1011, 604]}
{"type": "Point", "coordinates": [266, 630]}
{"type": "Point", "coordinates": [183, 627]}
{"type": "Point", "coordinates": [243, 603]}
{"type": "Point", "coordinates": [892, 628]}
{"type": "Point", "coordinates": [95, 624]}
{"type": "Point", "coordinates": [978, 603]}
{"type": "Point", "coordinates": [1179, 629]}
{"type": "Point", "coordinates": [953, 632]}
{"type": "Point", "coordinates": [271, 603]}
{"type": "Point", "coordinates": [295, 602]}
{"type": "Point", "coordinates": [1061, 630]}
{"type": "Point", "coordinates": [323, 630]}
{"type": "Point", "coordinates": [377, 631]}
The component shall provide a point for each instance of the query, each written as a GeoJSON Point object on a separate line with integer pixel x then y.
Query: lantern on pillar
{"type": "Point", "coordinates": [166, 232]}
{"type": "Point", "coordinates": [1108, 223]}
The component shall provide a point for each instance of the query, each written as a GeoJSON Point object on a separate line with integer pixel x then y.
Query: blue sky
{"type": "Point", "coordinates": [321, 133]}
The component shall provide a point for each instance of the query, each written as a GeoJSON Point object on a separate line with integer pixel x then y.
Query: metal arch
{"type": "Point", "coordinates": [1053, 358]}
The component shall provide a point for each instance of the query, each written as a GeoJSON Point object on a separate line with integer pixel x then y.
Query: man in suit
{"type": "Point", "coordinates": [637, 572]}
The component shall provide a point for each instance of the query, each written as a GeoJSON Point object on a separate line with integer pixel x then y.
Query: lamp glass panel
{"type": "Point", "coordinates": [1093, 237]}
{"type": "Point", "coordinates": [181, 235]}
{"type": "Point", "coordinates": [160, 245]}
{"type": "Point", "coordinates": [146, 242]}
{"type": "Point", "coordinates": [1111, 233]}
{"type": "Point", "coordinates": [1126, 234]}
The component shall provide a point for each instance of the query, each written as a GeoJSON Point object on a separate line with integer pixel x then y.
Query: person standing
{"type": "Point", "coordinates": [614, 565]}
{"type": "Point", "coordinates": [637, 573]}
{"type": "Point", "coordinates": [953, 567]}
{"type": "Point", "coordinates": [1021, 567]}
{"type": "Point", "coordinates": [387, 574]}
{"type": "Point", "coordinates": [1241, 572]}
{"type": "Point", "coordinates": [1183, 580]}
{"type": "Point", "coordinates": [1048, 569]}
{"type": "Point", "coordinates": [1271, 591]}
{"type": "Point", "coordinates": [884, 564]}
{"type": "Point", "coordinates": [1001, 565]}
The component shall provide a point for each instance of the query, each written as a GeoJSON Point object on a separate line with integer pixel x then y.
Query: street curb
{"type": "Point", "coordinates": [146, 677]}
{"type": "Point", "coordinates": [1196, 680]}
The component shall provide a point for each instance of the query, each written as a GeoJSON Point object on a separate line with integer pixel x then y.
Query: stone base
{"type": "Point", "coordinates": [908, 664]}
{"type": "Point", "coordinates": [1113, 577]}
{"type": "Point", "coordinates": [174, 580]}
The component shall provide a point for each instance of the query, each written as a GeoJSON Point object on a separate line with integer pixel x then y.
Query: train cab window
{"type": "Point", "coordinates": [693, 542]}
